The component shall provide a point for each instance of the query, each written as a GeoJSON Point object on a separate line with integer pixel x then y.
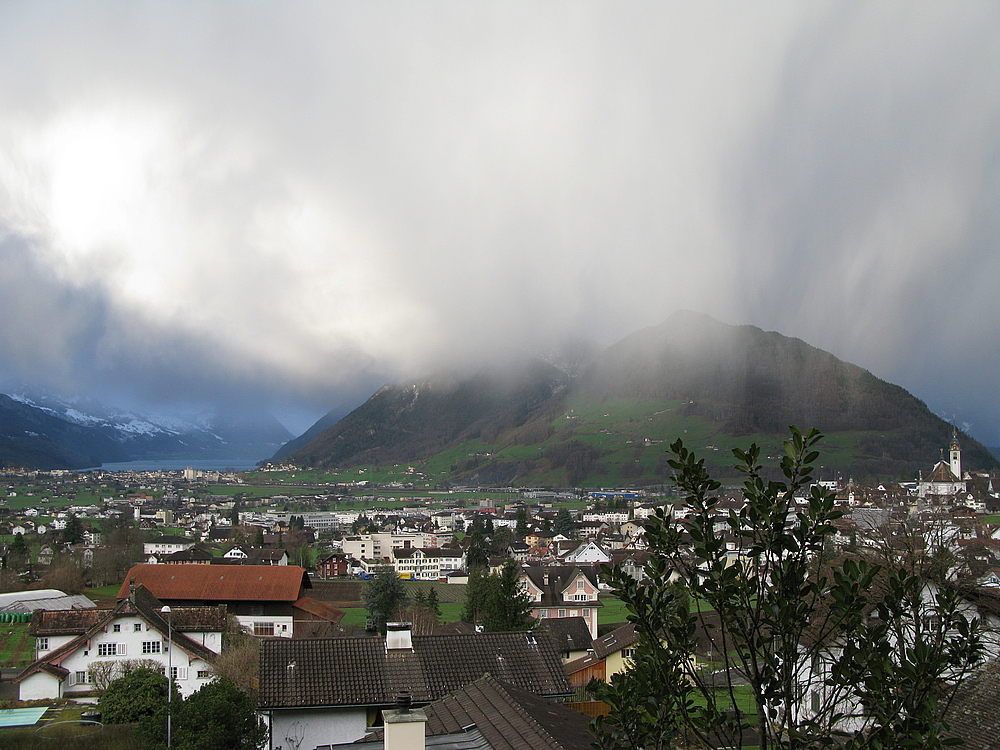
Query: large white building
{"type": "Point", "coordinates": [71, 644]}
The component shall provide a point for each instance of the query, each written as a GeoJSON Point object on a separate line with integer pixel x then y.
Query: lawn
{"type": "Point", "coordinates": [612, 611]}
{"type": "Point", "coordinates": [104, 592]}
{"type": "Point", "coordinates": [17, 648]}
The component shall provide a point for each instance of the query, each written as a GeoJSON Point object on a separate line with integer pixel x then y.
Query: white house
{"type": "Point", "coordinates": [427, 564]}
{"type": "Point", "coordinates": [166, 545]}
{"type": "Point", "coordinates": [69, 644]}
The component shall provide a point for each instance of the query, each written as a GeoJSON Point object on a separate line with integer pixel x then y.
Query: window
{"type": "Point", "coordinates": [580, 597]}
{"type": "Point", "coordinates": [579, 585]}
{"type": "Point", "coordinates": [562, 612]}
{"type": "Point", "coordinates": [150, 647]}
{"type": "Point", "coordinates": [42, 644]}
{"type": "Point", "coordinates": [543, 613]}
{"type": "Point", "coordinates": [81, 678]}
{"type": "Point", "coordinates": [137, 627]}
{"type": "Point", "coordinates": [109, 649]}
{"type": "Point", "coordinates": [586, 613]}
{"type": "Point", "coordinates": [263, 628]}
{"type": "Point", "coordinates": [628, 653]}
{"type": "Point", "coordinates": [179, 673]}
{"type": "Point", "coordinates": [204, 674]}
{"type": "Point", "coordinates": [117, 627]}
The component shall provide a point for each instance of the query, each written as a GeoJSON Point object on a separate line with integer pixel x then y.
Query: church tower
{"type": "Point", "coordinates": [956, 455]}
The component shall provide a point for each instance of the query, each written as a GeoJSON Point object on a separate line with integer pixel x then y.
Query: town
{"type": "Point", "coordinates": [161, 568]}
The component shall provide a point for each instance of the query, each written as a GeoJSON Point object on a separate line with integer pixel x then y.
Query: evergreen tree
{"type": "Point", "coordinates": [384, 596]}
{"type": "Point", "coordinates": [73, 533]}
{"type": "Point", "coordinates": [521, 530]}
{"type": "Point", "coordinates": [564, 522]}
{"type": "Point", "coordinates": [496, 601]}
{"type": "Point", "coordinates": [432, 602]}
{"type": "Point", "coordinates": [477, 555]}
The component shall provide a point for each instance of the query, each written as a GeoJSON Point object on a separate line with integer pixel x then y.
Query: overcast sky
{"type": "Point", "coordinates": [294, 202]}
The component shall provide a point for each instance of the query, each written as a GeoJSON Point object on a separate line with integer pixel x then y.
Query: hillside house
{"type": "Point", "coordinates": [331, 690]}
{"type": "Point", "coordinates": [71, 642]}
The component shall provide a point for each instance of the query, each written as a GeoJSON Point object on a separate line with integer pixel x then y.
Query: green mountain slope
{"type": "Point", "coordinates": [717, 386]}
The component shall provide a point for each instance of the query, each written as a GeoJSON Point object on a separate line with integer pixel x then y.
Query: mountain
{"type": "Point", "coordinates": [43, 431]}
{"type": "Point", "coordinates": [608, 421]}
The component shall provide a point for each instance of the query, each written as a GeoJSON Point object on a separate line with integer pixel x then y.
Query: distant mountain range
{"type": "Point", "coordinates": [45, 432]}
{"type": "Point", "coordinates": [606, 421]}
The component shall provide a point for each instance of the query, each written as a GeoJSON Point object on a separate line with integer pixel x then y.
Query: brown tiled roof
{"type": "Point", "coordinates": [319, 609]}
{"type": "Point", "coordinates": [359, 671]}
{"type": "Point", "coordinates": [65, 621]}
{"type": "Point", "coordinates": [220, 583]}
{"type": "Point", "coordinates": [508, 718]}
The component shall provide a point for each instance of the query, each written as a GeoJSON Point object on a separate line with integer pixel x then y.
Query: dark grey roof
{"type": "Point", "coordinates": [568, 633]}
{"type": "Point", "coordinates": [507, 718]}
{"type": "Point", "coordinates": [974, 715]}
{"type": "Point", "coordinates": [359, 671]}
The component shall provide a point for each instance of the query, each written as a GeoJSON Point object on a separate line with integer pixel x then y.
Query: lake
{"type": "Point", "coordinates": [179, 464]}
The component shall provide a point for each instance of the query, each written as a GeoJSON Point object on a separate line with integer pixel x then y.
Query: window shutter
{"type": "Point", "coordinates": [182, 673]}
{"type": "Point", "coordinates": [121, 649]}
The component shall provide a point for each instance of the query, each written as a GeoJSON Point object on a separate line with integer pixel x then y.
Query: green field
{"type": "Point", "coordinates": [17, 648]}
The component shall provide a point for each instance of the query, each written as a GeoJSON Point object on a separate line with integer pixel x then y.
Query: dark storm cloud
{"type": "Point", "coordinates": [297, 199]}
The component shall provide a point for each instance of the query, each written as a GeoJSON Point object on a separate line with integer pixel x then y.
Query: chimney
{"type": "Point", "coordinates": [398, 637]}
{"type": "Point", "coordinates": [404, 727]}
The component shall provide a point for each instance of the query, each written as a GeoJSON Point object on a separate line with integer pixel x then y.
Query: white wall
{"type": "Point", "coordinates": [312, 727]}
{"type": "Point", "coordinates": [128, 644]}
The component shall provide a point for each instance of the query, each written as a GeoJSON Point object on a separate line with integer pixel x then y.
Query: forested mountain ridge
{"type": "Point", "coordinates": [715, 385]}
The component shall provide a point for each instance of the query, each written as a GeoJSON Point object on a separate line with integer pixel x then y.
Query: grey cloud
{"type": "Point", "coordinates": [323, 195]}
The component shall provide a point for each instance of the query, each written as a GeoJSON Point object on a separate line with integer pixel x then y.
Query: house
{"type": "Point", "coordinates": [585, 553]}
{"type": "Point", "coordinates": [426, 564]}
{"type": "Point", "coordinates": [165, 545]}
{"type": "Point", "coordinates": [609, 656]}
{"type": "Point", "coordinates": [982, 604]}
{"type": "Point", "coordinates": [562, 591]}
{"type": "Point", "coordinates": [333, 565]}
{"type": "Point", "coordinates": [487, 714]}
{"type": "Point", "coordinates": [256, 555]}
{"type": "Point", "coordinates": [570, 636]}
{"type": "Point", "coordinates": [267, 599]}
{"type": "Point", "coordinates": [195, 555]}
{"type": "Point", "coordinates": [329, 690]}
{"type": "Point", "coordinates": [71, 643]}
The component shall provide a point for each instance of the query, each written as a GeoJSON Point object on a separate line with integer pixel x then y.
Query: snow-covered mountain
{"type": "Point", "coordinates": [40, 430]}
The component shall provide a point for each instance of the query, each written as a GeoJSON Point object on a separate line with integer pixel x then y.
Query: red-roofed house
{"type": "Point", "coordinates": [266, 599]}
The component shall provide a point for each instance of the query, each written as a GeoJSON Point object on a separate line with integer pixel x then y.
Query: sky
{"type": "Point", "coordinates": [288, 204]}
